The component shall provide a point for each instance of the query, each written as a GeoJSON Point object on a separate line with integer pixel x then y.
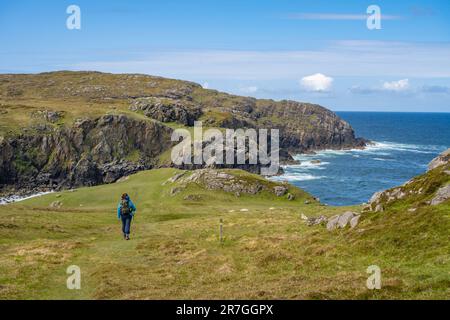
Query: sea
{"type": "Point", "coordinates": [403, 145]}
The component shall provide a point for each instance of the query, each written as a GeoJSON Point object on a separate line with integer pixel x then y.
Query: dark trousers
{"type": "Point", "coordinates": [126, 224]}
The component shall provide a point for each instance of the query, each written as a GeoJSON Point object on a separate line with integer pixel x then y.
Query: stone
{"type": "Point", "coordinates": [376, 197]}
{"type": "Point", "coordinates": [333, 223]}
{"type": "Point", "coordinates": [303, 217]}
{"type": "Point", "coordinates": [345, 218]}
{"type": "Point", "coordinates": [290, 197]}
{"type": "Point", "coordinates": [354, 221]}
{"type": "Point", "coordinates": [176, 177]}
{"type": "Point", "coordinates": [280, 191]}
{"type": "Point", "coordinates": [316, 220]}
{"type": "Point", "coordinates": [443, 194]}
{"type": "Point", "coordinates": [223, 175]}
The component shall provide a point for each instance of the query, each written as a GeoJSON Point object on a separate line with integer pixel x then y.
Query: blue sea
{"type": "Point", "coordinates": [404, 144]}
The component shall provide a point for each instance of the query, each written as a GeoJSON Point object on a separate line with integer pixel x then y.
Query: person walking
{"type": "Point", "coordinates": [125, 212]}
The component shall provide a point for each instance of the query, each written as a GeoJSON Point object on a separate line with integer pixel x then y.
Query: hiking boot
{"type": "Point", "coordinates": [127, 237]}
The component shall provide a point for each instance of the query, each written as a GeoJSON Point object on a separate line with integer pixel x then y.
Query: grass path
{"type": "Point", "coordinates": [175, 252]}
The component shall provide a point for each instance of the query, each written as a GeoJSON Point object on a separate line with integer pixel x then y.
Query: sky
{"type": "Point", "coordinates": [314, 51]}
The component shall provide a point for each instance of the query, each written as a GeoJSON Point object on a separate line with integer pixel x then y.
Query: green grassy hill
{"type": "Point", "coordinates": [268, 251]}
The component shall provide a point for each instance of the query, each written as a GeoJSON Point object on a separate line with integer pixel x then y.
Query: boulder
{"type": "Point", "coordinates": [280, 191]}
{"type": "Point", "coordinates": [345, 218]}
{"type": "Point", "coordinates": [333, 223]}
{"type": "Point", "coordinates": [443, 194]}
{"type": "Point", "coordinates": [354, 221]}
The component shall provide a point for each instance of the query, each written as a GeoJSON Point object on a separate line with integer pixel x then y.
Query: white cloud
{"type": "Point", "coordinates": [250, 89]}
{"type": "Point", "coordinates": [316, 83]}
{"type": "Point", "coordinates": [397, 86]}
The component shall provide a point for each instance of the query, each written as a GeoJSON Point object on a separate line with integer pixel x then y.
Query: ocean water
{"type": "Point", "coordinates": [404, 144]}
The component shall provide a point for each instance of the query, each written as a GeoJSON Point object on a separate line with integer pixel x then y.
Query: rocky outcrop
{"type": "Point", "coordinates": [431, 188]}
{"type": "Point", "coordinates": [442, 159]}
{"type": "Point", "coordinates": [47, 115]}
{"type": "Point", "coordinates": [168, 110]}
{"type": "Point", "coordinates": [235, 182]}
{"type": "Point", "coordinates": [341, 221]}
{"type": "Point", "coordinates": [92, 151]}
{"type": "Point", "coordinates": [443, 194]}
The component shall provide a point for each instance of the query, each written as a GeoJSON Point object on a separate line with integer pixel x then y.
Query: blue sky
{"type": "Point", "coordinates": [315, 51]}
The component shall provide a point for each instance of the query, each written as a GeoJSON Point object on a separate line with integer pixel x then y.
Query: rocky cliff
{"type": "Point", "coordinates": [90, 152]}
{"type": "Point", "coordinates": [66, 129]}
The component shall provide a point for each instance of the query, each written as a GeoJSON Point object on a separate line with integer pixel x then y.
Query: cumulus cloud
{"type": "Point", "coordinates": [397, 86]}
{"type": "Point", "coordinates": [316, 83]}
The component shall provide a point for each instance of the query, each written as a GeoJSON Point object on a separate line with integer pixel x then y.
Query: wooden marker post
{"type": "Point", "coordinates": [221, 231]}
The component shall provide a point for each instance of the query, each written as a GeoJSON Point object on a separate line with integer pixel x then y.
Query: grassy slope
{"type": "Point", "coordinates": [175, 252]}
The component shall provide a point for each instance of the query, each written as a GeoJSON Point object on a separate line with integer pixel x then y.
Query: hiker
{"type": "Point", "coordinates": [125, 212]}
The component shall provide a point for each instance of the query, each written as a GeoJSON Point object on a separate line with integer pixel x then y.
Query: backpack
{"type": "Point", "coordinates": [125, 209]}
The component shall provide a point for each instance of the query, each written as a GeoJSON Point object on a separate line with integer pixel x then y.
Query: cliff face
{"type": "Point", "coordinates": [84, 128]}
{"type": "Point", "coordinates": [92, 151]}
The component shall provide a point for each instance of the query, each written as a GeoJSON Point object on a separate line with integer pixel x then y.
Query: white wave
{"type": "Point", "coordinates": [380, 148]}
{"type": "Point", "coordinates": [415, 148]}
{"type": "Point", "coordinates": [12, 199]}
{"type": "Point", "coordinates": [309, 164]}
{"type": "Point", "coordinates": [297, 177]}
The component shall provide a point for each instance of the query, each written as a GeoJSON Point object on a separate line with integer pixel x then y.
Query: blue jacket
{"type": "Point", "coordinates": [131, 205]}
